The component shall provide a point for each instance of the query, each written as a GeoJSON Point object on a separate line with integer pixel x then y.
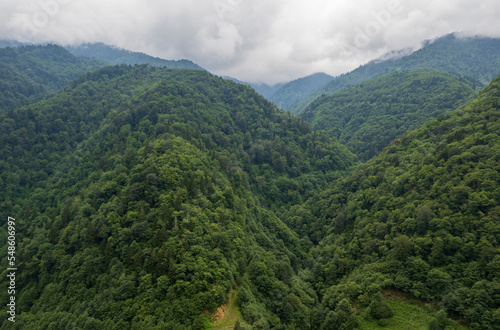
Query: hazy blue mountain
{"type": "Point", "coordinates": [10, 43]}
{"type": "Point", "coordinates": [290, 94]}
{"type": "Point", "coordinates": [263, 89]}
{"type": "Point", "coordinates": [115, 55]}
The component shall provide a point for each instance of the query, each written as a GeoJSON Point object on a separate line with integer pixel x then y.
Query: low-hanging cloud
{"type": "Point", "coordinates": [266, 41]}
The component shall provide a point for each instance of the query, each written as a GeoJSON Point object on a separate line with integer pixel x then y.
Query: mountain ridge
{"type": "Point", "coordinates": [474, 57]}
{"type": "Point", "coordinates": [116, 55]}
{"type": "Point", "coordinates": [368, 116]}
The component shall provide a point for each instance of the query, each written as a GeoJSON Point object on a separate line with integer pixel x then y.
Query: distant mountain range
{"type": "Point", "coordinates": [263, 89]}
{"type": "Point", "coordinates": [288, 95]}
{"type": "Point", "coordinates": [30, 73]}
{"type": "Point", "coordinates": [115, 55]}
{"type": "Point", "coordinates": [474, 57]}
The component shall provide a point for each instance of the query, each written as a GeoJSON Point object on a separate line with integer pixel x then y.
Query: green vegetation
{"type": "Point", "coordinates": [477, 58]}
{"type": "Point", "coordinates": [155, 198]}
{"type": "Point", "coordinates": [409, 313]}
{"type": "Point", "coordinates": [144, 195]}
{"type": "Point", "coordinates": [115, 55]}
{"type": "Point", "coordinates": [368, 116]}
{"type": "Point", "coordinates": [288, 95]}
{"type": "Point", "coordinates": [422, 218]}
{"type": "Point", "coordinates": [30, 73]}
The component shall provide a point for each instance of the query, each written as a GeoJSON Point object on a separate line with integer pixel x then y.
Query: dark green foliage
{"type": "Point", "coordinates": [145, 195]}
{"type": "Point", "coordinates": [341, 318]}
{"type": "Point", "coordinates": [30, 73]}
{"type": "Point", "coordinates": [441, 322]}
{"type": "Point", "coordinates": [367, 117]}
{"type": "Point", "coordinates": [146, 198]}
{"type": "Point", "coordinates": [378, 309]}
{"type": "Point", "coordinates": [421, 217]}
{"type": "Point", "coordinates": [115, 55]}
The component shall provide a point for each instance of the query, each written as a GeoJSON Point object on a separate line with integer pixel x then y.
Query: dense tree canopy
{"type": "Point", "coordinates": [422, 217]}
{"type": "Point", "coordinates": [477, 58]}
{"type": "Point", "coordinates": [151, 198]}
{"type": "Point", "coordinates": [368, 116]}
{"type": "Point", "coordinates": [30, 73]}
{"type": "Point", "coordinates": [145, 195]}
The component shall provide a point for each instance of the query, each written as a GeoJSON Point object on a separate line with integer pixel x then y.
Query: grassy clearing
{"type": "Point", "coordinates": [409, 313]}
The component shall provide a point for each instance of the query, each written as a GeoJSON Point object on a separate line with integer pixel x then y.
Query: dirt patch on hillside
{"type": "Point", "coordinates": [220, 313]}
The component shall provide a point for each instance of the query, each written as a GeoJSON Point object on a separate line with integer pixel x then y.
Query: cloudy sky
{"type": "Point", "coordinates": [253, 40]}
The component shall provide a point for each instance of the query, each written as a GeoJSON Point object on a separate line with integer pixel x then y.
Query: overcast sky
{"type": "Point", "coordinates": [253, 40]}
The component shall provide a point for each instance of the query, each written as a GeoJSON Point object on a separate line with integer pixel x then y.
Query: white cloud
{"type": "Point", "coordinates": [258, 40]}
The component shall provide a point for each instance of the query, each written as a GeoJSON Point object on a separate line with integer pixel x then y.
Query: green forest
{"type": "Point", "coordinates": [422, 217]}
{"type": "Point", "coordinates": [30, 73]}
{"type": "Point", "coordinates": [154, 198]}
{"type": "Point", "coordinates": [368, 116]}
{"type": "Point", "coordinates": [117, 56]}
{"type": "Point", "coordinates": [473, 57]}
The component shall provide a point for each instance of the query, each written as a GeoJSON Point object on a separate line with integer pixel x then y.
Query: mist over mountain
{"type": "Point", "coordinates": [473, 57]}
{"type": "Point", "coordinates": [116, 55]}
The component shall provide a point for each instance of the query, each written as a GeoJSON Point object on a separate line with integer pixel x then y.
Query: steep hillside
{"type": "Point", "coordinates": [115, 55]}
{"type": "Point", "coordinates": [29, 73]}
{"type": "Point", "coordinates": [368, 116]}
{"type": "Point", "coordinates": [421, 218]}
{"type": "Point", "coordinates": [290, 94]}
{"type": "Point", "coordinates": [475, 57]}
{"type": "Point", "coordinates": [143, 196]}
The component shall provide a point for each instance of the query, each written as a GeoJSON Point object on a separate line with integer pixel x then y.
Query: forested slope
{"type": "Point", "coordinates": [116, 56]}
{"type": "Point", "coordinates": [476, 57]}
{"type": "Point", "coordinates": [30, 73]}
{"type": "Point", "coordinates": [144, 196]}
{"type": "Point", "coordinates": [422, 217]}
{"type": "Point", "coordinates": [368, 116]}
{"type": "Point", "coordinates": [288, 95]}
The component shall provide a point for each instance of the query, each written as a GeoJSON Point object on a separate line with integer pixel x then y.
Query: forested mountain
{"type": "Point", "coordinates": [475, 57]}
{"type": "Point", "coordinates": [29, 73]}
{"type": "Point", "coordinates": [147, 198]}
{"type": "Point", "coordinates": [155, 198]}
{"type": "Point", "coordinates": [422, 217]}
{"type": "Point", "coordinates": [288, 95]}
{"type": "Point", "coordinates": [263, 89]}
{"type": "Point", "coordinates": [115, 55]}
{"type": "Point", "coordinates": [368, 116]}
